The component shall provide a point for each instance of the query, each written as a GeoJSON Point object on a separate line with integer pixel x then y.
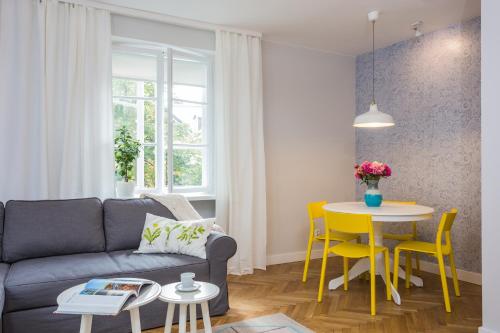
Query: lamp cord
{"type": "Point", "coordinates": [373, 62]}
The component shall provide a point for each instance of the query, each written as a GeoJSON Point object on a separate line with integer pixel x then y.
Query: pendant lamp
{"type": "Point", "coordinates": [373, 118]}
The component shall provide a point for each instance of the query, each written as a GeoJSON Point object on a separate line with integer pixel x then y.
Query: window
{"type": "Point", "coordinates": [163, 98]}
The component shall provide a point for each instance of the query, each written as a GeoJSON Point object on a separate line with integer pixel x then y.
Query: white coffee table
{"type": "Point", "coordinates": [201, 296]}
{"type": "Point", "coordinates": [148, 294]}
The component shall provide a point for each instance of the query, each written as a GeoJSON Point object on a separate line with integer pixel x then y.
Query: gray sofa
{"type": "Point", "coordinates": [48, 246]}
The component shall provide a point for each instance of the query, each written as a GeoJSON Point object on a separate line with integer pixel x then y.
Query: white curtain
{"type": "Point", "coordinates": [240, 159]}
{"type": "Point", "coordinates": [56, 135]}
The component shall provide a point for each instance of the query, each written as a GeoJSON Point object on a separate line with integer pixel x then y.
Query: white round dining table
{"type": "Point", "coordinates": [386, 213]}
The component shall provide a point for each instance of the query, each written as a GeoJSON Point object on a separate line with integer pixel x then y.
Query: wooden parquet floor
{"type": "Point", "coordinates": [279, 289]}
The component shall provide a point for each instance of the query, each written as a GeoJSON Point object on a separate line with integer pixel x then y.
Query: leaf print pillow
{"type": "Point", "coordinates": [162, 235]}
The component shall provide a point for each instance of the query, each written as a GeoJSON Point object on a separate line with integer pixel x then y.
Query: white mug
{"type": "Point", "coordinates": [187, 279]}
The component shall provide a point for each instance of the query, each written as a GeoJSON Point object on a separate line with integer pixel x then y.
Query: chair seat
{"type": "Point", "coordinates": [418, 246]}
{"type": "Point", "coordinates": [354, 250]}
{"type": "Point", "coordinates": [399, 237]}
{"type": "Point", "coordinates": [339, 236]}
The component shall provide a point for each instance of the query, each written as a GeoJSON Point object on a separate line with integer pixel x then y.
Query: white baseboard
{"type": "Point", "coordinates": [466, 276]}
{"type": "Point", "coordinates": [426, 266]}
{"type": "Point", "coordinates": [486, 330]}
{"type": "Point", "coordinates": [284, 258]}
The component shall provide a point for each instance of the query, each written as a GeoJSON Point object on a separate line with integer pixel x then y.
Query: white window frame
{"type": "Point", "coordinates": [164, 58]}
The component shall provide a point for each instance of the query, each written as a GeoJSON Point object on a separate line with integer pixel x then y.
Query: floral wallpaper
{"type": "Point", "coordinates": [431, 86]}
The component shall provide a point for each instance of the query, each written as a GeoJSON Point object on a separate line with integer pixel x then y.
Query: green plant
{"type": "Point", "coordinates": [127, 149]}
{"type": "Point", "coordinates": [169, 230]}
{"type": "Point", "coordinates": [190, 233]}
{"type": "Point", "coordinates": [150, 236]}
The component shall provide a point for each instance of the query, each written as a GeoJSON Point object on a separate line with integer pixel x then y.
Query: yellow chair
{"type": "Point", "coordinates": [315, 210]}
{"type": "Point", "coordinates": [405, 237]}
{"type": "Point", "coordinates": [354, 223]}
{"type": "Point", "coordinates": [437, 249]}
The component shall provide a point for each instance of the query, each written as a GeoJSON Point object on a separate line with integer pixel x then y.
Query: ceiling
{"type": "Point", "coordinates": [337, 26]}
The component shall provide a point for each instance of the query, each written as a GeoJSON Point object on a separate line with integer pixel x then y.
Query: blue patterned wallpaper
{"type": "Point", "coordinates": [431, 86]}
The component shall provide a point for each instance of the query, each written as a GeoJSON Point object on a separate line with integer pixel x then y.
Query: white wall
{"type": "Point", "coordinates": [163, 33]}
{"type": "Point", "coordinates": [309, 107]}
{"type": "Point", "coordinates": [490, 179]}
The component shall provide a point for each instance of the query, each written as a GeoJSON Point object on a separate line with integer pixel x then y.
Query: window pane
{"type": "Point", "coordinates": [125, 113]}
{"type": "Point", "coordinates": [124, 87]}
{"type": "Point", "coordinates": [149, 166]}
{"type": "Point", "coordinates": [149, 89]}
{"type": "Point", "coordinates": [190, 93]}
{"type": "Point", "coordinates": [189, 72]}
{"type": "Point", "coordinates": [188, 167]}
{"type": "Point", "coordinates": [188, 122]}
{"type": "Point", "coordinates": [134, 66]}
{"type": "Point", "coordinates": [149, 122]}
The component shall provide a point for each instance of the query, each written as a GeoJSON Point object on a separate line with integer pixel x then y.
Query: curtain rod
{"type": "Point", "coordinates": [144, 14]}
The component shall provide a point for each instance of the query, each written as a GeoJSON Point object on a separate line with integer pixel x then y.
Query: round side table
{"type": "Point", "coordinates": [148, 294]}
{"type": "Point", "coordinates": [201, 296]}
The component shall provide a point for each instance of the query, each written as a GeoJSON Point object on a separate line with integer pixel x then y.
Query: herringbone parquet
{"type": "Point", "coordinates": [279, 289]}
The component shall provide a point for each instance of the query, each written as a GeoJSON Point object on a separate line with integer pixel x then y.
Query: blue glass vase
{"type": "Point", "coordinates": [373, 197]}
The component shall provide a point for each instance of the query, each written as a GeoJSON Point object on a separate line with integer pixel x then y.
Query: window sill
{"type": "Point", "coordinates": [191, 196]}
{"type": "Point", "coordinates": [198, 196]}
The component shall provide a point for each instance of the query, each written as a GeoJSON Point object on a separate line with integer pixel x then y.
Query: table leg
{"type": "Point", "coordinates": [86, 323]}
{"type": "Point", "coordinates": [135, 320]}
{"type": "Point", "coordinates": [192, 318]}
{"type": "Point", "coordinates": [206, 317]}
{"type": "Point", "coordinates": [182, 318]}
{"type": "Point", "coordinates": [378, 236]}
{"type": "Point", "coordinates": [170, 317]}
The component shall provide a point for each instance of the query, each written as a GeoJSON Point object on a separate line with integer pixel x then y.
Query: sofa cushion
{"type": "Point", "coordinates": [37, 282]}
{"type": "Point", "coordinates": [4, 269]}
{"type": "Point", "coordinates": [34, 229]}
{"type": "Point", "coordinates": [124, 220]}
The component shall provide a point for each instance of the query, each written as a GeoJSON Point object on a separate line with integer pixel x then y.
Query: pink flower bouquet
{"type": "Point", "coordinates": [371, 171]}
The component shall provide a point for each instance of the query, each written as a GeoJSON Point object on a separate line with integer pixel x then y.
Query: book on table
{"type": "Point", "coordinates": [102, 296]}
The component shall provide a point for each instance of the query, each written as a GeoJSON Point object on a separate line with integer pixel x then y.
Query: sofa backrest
{"type": "Point", "coordinates": [34, 229]}
{"type": "Point", "coordinates": [2, 211]}
{"type": "Point", "coordinates": [124, 221]}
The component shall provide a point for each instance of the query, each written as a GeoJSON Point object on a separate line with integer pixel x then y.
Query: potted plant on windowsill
{"type": "Point", "coordinates": [127, 149]}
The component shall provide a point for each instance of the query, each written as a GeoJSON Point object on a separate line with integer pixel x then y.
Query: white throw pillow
{"type": "Point", "coordinates": [162, 235]}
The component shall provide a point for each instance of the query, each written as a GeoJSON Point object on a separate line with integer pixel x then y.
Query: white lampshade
{"type": "Point", "coordinates": [373, 118]}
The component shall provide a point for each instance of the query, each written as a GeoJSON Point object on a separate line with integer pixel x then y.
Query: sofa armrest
{"type": "Point", "coordinates": [220, 248]}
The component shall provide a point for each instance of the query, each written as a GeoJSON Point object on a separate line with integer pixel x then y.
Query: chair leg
{"type": "Point", "coordinates": [387, 275]}
{"type": "Point", "coordinates": [454, 273]}
{"type": "Point", "coordinates": [372, 286]}
{"type": "Point", "coordinates": [417, 259]}
{"type": "Point", "coordinates": [308, 257]}
{"type": "Point", "coordinates": [323, 271]}
{"type": "Point", "coordinates": [408, 269]}
{"type": "Point", "coordinates": [442, 272]}
{"type": "Point", "coordinates": [396, 268]}
{"type": "Point", "coordinates": [346, 273]}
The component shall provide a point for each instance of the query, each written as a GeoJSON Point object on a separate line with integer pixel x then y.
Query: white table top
{"type": "Point", "coordinates": [206, 292]}
{"type": "Point", "coordinates": [388, 212]}
{"type": "Point", "coordinates": [148, 294]}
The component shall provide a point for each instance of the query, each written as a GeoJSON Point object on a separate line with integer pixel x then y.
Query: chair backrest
{"type": "Point", "coordinates": [445, 225]}
{"type": "Point", "coordinates": [315, 210]}
{"type": "Point", "coordinates": [350, 223]}
{"type": "Point", "coordinates": [401, 202]}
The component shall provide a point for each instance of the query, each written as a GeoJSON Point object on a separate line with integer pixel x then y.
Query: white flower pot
{"type": "Point", "coordinates": [125, 189]}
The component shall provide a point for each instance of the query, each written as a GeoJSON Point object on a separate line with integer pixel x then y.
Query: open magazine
{"type": "Point", "coordinates": [102, 296]}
